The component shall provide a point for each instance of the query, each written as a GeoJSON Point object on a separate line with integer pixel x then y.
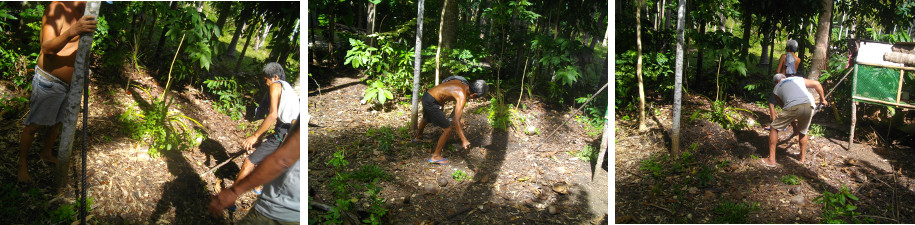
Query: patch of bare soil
{"type": "Point", "coordinates": [867, 171]}
{"type": "Point", "coordinates": [126, 184]}
{"type": "Point", "coordinates": [509, 181]}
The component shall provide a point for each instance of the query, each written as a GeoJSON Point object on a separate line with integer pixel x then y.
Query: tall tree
{"type": "Point", "coordinates": [638, 65]}
{"type": "Point", "coordinates": [445, 36]}
{"type": "Point", "coordinates": [675, 134]}
{"type": "Point", "coordinates": [240, 23]}
{"type": "Point", "coordinates": [822, 41]}
{"type": "Point", "coordinates": [252, 31]}
{"type": "Point", "coordinates": [417, 64]}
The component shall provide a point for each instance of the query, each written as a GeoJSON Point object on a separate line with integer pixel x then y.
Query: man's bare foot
{"type": "Point", "coordinates": [48, 158]}
{"type": "Point", "coordinates": [24, 176]}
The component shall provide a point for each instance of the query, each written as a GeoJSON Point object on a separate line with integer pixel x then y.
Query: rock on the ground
{"type": "Point", "coordinates": [794, 190]}
{"type": "Point", "coordinates": [443, 182]}
{"type": "Point", "coordinates": [797, 200]}
{"type": "Point", "coordinates": [709, 195]}
{"type": "Point", "coordinates": [561, 188]}
{"type": "Point", "coordinates": [430, 189]}
{"type": "Point", "coordinates": [553, 210]}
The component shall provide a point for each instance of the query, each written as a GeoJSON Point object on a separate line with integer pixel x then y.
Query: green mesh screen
{"type": "Point", "coordinates": [876, 83]}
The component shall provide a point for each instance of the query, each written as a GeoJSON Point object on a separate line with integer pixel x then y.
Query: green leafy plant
{"type": "Point", "coordinates": [816, 130]}
{"type": "Point", "coordinates": [838, 207]}
{"type": "Point", "coordinates": [791, 179]}
{"type": "Point", "coordinates": [730, 212]}
{"type": "Point", "coordinates": [459, 175]}
{"type": "Point", "coordinates": [162, 129]}
{"type": "Point", "coordinates": [653, 165]}
{"type": "Point", "coordinates": [726, 116]}
{"type": "Point", "coordinates": [338, 185]}
{"type": "Point", "coordinates": [67, 213]}
{"type": "Point", "coordinates": [377, 91]}
{"type": "Point", "coordinates": [586, 154]}
{"type": "Point", "coordinates": [371, 172]}
{"type": "Point", "coordinates": [376, 204]}
{"type": "Point", "coordinates": [230, 96]}
{"type": "Point", "coordinates": [500, 115]}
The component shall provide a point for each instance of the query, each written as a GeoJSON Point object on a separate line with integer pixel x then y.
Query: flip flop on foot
{"type": "Point", "coordinates": [764, 163]}
{"type": "Point", "coordinates": [443, 161]}
{"type": "Point", "coordinates": [258, 190]}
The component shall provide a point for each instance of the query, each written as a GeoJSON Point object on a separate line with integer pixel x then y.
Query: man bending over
{"type": "Point", "coordinates": [453, 88]}
{"type": "Point", "coordinates": [797, 103]}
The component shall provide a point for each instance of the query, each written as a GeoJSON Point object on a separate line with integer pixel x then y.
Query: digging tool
{"type": "Point", "coordinates": [242, 152]}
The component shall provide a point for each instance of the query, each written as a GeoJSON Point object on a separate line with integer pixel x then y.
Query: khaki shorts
{"type": "Point", "coordinates": [803, 113]}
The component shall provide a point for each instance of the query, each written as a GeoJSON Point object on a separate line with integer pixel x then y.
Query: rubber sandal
{"type": "Point", "coordinates": [763, 162]}
{"type": "Point", "coordinates": [440, 162]}
{"type": "Point", "coordinates": [257, 191]}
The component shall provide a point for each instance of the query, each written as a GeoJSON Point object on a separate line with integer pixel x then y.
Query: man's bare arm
{"type": "Point", "coordinates": [275, 91]}
{"type": "Point", "coordinates": [51, 42]}
{"type": "Point", "coordinates": [458, 114]}
{"type": "Point", "coordinates": [818, 87]}
{"type": "Point", "coordinates": [781, 65]}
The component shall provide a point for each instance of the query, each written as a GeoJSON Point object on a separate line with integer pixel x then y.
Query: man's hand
{"type": "Point", "coordinates": [249, 142]}
{"type": "Point", "coordinates": [466, 145]}
{"type": "Point", "coordinates": [824, 102]}
{"type": "Point", "coordinates": [221, 201]}
{"type": "Point", "coordinates": [86, 24]}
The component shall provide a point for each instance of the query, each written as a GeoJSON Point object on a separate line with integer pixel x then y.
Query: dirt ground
{"type": "Point", "coordinates": [510, 182]}
{"type": "Point", "coordinates": [128, 186]}
{"type": "Point", "coordinates": [880, 175]}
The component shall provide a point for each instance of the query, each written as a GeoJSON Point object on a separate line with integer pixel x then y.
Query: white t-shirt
{"type": "Point", "coordinates": [793, 92]}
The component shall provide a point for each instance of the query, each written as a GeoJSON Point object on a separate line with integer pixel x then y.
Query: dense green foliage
{"type": "Point", "coordinates": [546, 49]}
{"type": "Point", "coordinates": [838, 207]}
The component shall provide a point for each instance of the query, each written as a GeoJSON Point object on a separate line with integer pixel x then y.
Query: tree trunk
{"type": "Point", "coordinates": [239, 29]}
{"type": "Point", "coordinates": [371, 22]}
{"type": "Point", "coordinates": [767, 40]}
{"type": "Point", "coordinates": [417, 64]}
{"type": "Point", "coordinates": [259, 41]}
{"type": "Point", "coordinates": [292, 45]}
{"type": "Point", "coordinates": [152, 26]}
{"type": "Point", "coordinates": [245, 47]}
{"type": "Point", "coordinates": [822, 41]}
{"type": "Point", "coordinates": [445, 36]}
{"type": "Point", "coordinates": [747, 25]}
{"type": "Point", "coordinates": [675, 128]}
{"type": "Point", "coordinates": [164, 30]}
{"type": "Point", "coordinates": [638, 65]}
{"type": "Point", "coordinates": [226, 9]}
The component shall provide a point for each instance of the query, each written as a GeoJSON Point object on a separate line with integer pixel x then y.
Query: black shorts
{"type": "Point", "coordinates": [460, 78]}
{"type": "Point", "coordinates": [432, 112]}
{"type": "Point", "coordinates": [270, 144]}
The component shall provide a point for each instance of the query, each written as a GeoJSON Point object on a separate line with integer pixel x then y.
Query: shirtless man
{"type": "Point", "coordinates": [453, 88]}
{"type": "Point", "coordinates": [62, 24]}
{"type": "Point", "coordinates": [787, 64]}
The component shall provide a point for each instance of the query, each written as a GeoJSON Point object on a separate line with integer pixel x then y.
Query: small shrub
{"type": "Point", "coordinates": [816, 130]}
{"type": "Point", "coordinates": [838, 208]}
{"type": "Point", "coordinates": [230, 97]}
{"type": "Point", "coordinates": [586, 154]}
{"type": "Point", "coordinates": [791, 179]}
{"type": "Point", "coordinates": [459, 175]}
{"type": "Point", "coordinates": [734, 212]}
{"type": "Point", "coordinates": [371, 172]}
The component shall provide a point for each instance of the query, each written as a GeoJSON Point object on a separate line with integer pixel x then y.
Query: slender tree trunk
{"type": "Point", "coordinates": [164, 30]}
{"type": "Point", "coordinates": [638, 64]}
{"type": "Point", "coordinates": [417, 64]}
{"type": "Point", "coordinates": [822, 41]}
{"type": "Point", "coordinates": [239, 29]}
{"type": "Point", "coordinates": [747, 25]}
{"type": "Point", "coordinates": [445, 36]}
{"type": "Point", "coordinates": [244, 48]}
{"type": "Point", "coordinates": [675, 134]}
{"type": "Point", "coordinates": [152, 26]}
{"type": "Point", "coordinates": [371, 22]}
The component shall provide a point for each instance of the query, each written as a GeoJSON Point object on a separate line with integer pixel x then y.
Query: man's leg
{"type": "Point", "coordinates": [246, 168]}
{"type": "Point", "coordinates": [25, 142]}
{"type": "Point", "coordinates": [419, 130]}
{"type": "Point", "coordinates": [46, 155]}
{"type": "Point", "coordinates": [803, 140]}
{"type": "Point", "coordinates": [773, 141]}
{"type": "Point", "coordinates": [437, 153]}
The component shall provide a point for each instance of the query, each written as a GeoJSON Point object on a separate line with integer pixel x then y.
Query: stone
{"type": "Point", "coordinates": [709, 195]}
{"type": "Point", "coordinates": [553, 210]}
{"type": "Point", "coordinates": [443, 182]}
{"type": "Point", "coordinates": [561, 188]}
{"type": "Point", "coordinates": [794, 190]}
{"type": "Point", "coordinates": [693, 190]}
{"type": "Point", "coordinates": [430, 189]}
{"type": "Point", "coordinates": [797, 200]}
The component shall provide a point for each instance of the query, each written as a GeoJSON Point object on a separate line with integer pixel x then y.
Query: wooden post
{"type": "Point", "coordinates": [71, 106]}
{"type": "Point", "coordinates": [899, 91]}
{"type": "Point", "coordinates": [851, 132]}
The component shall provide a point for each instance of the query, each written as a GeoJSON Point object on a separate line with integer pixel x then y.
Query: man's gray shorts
{"type": "Point", "coordinates": [47, 101]}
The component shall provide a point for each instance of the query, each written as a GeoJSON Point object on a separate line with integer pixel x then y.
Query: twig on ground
{"type": "Point", "coordinates": [879, 217]}
{"type": "Point", "coordinates": [665, 209]}
{"type": "Point", "coordinates": [223, 163]}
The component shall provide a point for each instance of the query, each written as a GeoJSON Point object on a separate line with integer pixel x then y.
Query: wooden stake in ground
{"type": "Point", "coordinates": [71, 106]}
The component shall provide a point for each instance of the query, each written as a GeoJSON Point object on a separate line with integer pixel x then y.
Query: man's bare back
{"type": "Point", "coordinates": [62, 24]}
{"type": "Point", "coordinates": [450, 91]}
